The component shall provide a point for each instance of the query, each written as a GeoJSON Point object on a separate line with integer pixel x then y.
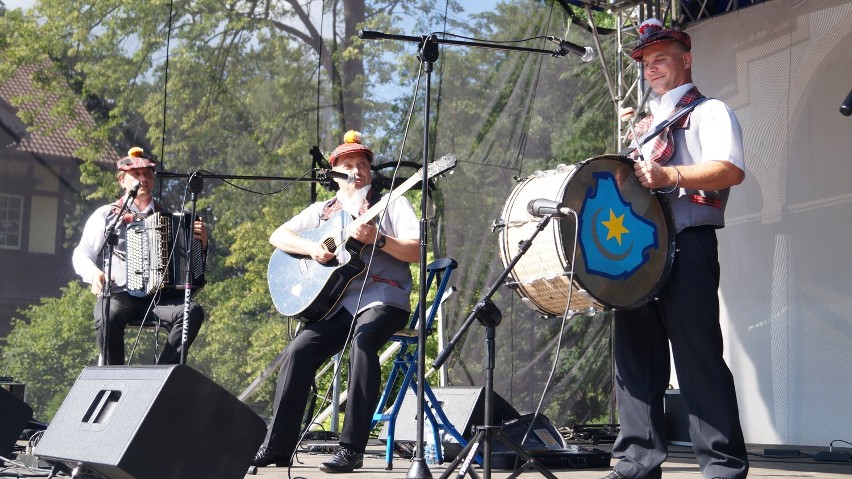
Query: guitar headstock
{"type": "Point", "coordinates": [441, 165]}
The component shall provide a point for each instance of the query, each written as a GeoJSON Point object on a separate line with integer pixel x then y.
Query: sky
{"type": "Point", "coordinates": [11, 4]}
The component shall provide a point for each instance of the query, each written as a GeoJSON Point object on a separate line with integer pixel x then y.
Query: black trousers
{"type": "Point", "coordinates": [168, 310]}
{"type": "Point", "coordinates": [316, 343]}
{"type": "Point", "coordinates": [687, 316]}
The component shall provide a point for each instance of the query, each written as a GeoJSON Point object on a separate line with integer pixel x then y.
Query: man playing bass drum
{"type": "Point", "coordinates": [373, 307]}
{"type": "Point", "coordinates": [695, 163]}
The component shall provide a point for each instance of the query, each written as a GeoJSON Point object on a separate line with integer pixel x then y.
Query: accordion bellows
{"type": "Point", "coordinates": [156, 254]}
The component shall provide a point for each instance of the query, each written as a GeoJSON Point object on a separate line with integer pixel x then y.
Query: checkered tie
{"type": "Point", "coordinates": [663, 147]}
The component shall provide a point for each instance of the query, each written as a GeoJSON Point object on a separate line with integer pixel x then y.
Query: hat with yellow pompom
{"type": "Point", "coordinates": [351, 144]}
{"type": "Point", "coordinates": [136, 158]}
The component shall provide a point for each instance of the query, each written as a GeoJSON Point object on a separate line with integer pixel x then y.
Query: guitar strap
{"type": "Point", "coordinates": [373, 197]}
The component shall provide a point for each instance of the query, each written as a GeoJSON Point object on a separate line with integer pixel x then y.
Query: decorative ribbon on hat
{"type": "Point", "coordinates": [663, 148]}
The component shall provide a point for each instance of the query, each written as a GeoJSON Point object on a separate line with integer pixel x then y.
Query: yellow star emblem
{"type": "Point", "coordinates": [615, 225]}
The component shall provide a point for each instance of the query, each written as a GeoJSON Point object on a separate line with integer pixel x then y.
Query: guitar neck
{"type": "Point", "coordinates": [377, 208]}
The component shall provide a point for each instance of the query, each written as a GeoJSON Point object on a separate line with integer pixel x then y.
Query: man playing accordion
{"type": "Point", "coordinates": [165, 307]}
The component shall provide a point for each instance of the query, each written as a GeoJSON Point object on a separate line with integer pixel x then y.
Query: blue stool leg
{"type": "Point", "coordinates": [401, 364]}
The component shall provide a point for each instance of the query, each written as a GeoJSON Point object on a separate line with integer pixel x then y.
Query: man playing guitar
{"type": "Point", "coordinates": [373, 306]}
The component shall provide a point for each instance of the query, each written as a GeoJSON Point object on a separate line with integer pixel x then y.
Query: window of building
{"type": "Point", "coordinates": [11, 221]}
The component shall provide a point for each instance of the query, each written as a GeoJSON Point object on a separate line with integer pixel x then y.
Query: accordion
{"type": "Point", "coordinates": [156, 254]}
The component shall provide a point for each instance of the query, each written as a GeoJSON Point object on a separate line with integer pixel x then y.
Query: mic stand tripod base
{"type": "Point", "coordinates": [419, 469]}
{"type": "Point", "coordinates": [486, 434]}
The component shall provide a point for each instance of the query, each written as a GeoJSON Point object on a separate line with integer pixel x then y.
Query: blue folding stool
{"type": "Point", "coordinates": [405, 363]}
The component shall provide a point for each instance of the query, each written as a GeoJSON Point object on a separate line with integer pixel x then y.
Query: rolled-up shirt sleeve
{"type": "Point", "coordinates": [86, 253]}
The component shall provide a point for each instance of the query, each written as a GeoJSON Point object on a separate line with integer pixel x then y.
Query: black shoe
{"type": "Point", "coordinates": [613, 475]}
{"type": "Point", "coordinates": [344, 460]}
{"type": "Point", "coordinates": [266, 456]}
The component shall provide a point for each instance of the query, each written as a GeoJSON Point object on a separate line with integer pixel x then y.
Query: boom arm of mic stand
{"type": "Point", "coordinates": [486, 299]}
{"type": "Point", "coordinates": [373, 35]}
{"type": "Point", "coordinates": [169, 174]}
{"type": "Point", "coordinates": [196, 183]}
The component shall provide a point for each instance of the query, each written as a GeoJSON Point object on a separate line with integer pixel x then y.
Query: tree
{"type": "Point", "coordinates": [46, 349]}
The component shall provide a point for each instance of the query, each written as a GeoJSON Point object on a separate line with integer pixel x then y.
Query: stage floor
{"type": "Point", "coordinates": [681, 465]}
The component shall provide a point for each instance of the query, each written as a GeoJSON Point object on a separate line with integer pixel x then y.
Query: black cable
{"type": "Point", "coordinates": [831, 444]}
{"type": "Point", "coordinates": [524, 134]}
{"type": "Point", "coordinates": [319, 77]}
{"type": "Point", "coordinates": [165, 90]}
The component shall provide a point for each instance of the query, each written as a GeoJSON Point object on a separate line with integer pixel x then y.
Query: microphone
{"type": "Point", "coordinates": [585, 53]}
{"type": "Point", "coordinates": [846, 107]}
{"type": "Point", "coordinates": [543, 207]}
{"type": "Point", "coordinates": [135, 189]}
{"type": "Point", "coordinates": [369, 35]}
{"type": "Point", "coordinates": [349, 178]}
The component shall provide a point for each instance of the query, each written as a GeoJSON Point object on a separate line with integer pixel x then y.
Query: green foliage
{"type": "Point", "coordinates": [49, 346]}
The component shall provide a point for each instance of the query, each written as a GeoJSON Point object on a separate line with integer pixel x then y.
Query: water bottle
{"type": "Point", "coordinates": [429, 452]}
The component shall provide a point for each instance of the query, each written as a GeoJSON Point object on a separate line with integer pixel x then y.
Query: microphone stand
{"type": "Point", "coordinates": [318, 162]}
{"type": "Point", "coordinates": [489, 316]}
{"type": "Point", "coordinates": [846, 106]}
{"type": "Point", "coordinates": [427, 53]}
{"type": "Point", "coordinates": [196, 184]}
{"type": "Point", "coordinates": [111, 242]}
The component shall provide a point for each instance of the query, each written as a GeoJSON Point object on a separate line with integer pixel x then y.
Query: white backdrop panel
{"type": "Point", "coordinates": [785, 67]}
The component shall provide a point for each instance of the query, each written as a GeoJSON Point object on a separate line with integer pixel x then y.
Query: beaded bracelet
{"type": "Point", "coordinates": [677, 183]}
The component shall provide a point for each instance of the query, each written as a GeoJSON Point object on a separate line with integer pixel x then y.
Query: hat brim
{"type": "Point", "coordinates": [662, 36]}
{"type": "Point", "coordinates": [347, 149]}
{"type": "Point", "coordinates": [134, 162]}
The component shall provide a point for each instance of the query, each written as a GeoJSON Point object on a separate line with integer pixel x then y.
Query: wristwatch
{"type": "Point", "coordinates": [380, 243]}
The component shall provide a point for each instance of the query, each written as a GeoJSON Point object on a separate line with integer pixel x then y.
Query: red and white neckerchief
{"type": "Point", "coordinates": [336, 205]}
{"type": "Point", "coordinates": [663, 148]}
{"type": "Point", "coordinates": [130, 216]}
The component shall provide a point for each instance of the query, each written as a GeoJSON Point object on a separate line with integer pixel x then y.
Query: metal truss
{"type": "Point", "coordinates": [624, 77]}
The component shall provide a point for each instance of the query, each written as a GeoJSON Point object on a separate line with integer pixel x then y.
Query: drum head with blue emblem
{"type": "Point", "coordinates": [625, 244]}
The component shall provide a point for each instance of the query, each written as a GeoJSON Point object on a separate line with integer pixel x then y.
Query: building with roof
{"type": "Point", "coordinates": [39, 189]}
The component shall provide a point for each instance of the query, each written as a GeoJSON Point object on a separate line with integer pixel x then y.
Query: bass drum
{"type": "Point", "coordinates": [624, 246]}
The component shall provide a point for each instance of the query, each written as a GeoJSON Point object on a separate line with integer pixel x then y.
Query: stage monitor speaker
{"type": "Point", "coordinates": [464, 407]}
{"type": "Point", "coordinates": [15, 414]}
{"type": "Point", "coordinates": [545, 444]}
{"type": "Point", "coordinates": [541, 436]}
{"type": "Point", "coordinates": [123, 422]}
